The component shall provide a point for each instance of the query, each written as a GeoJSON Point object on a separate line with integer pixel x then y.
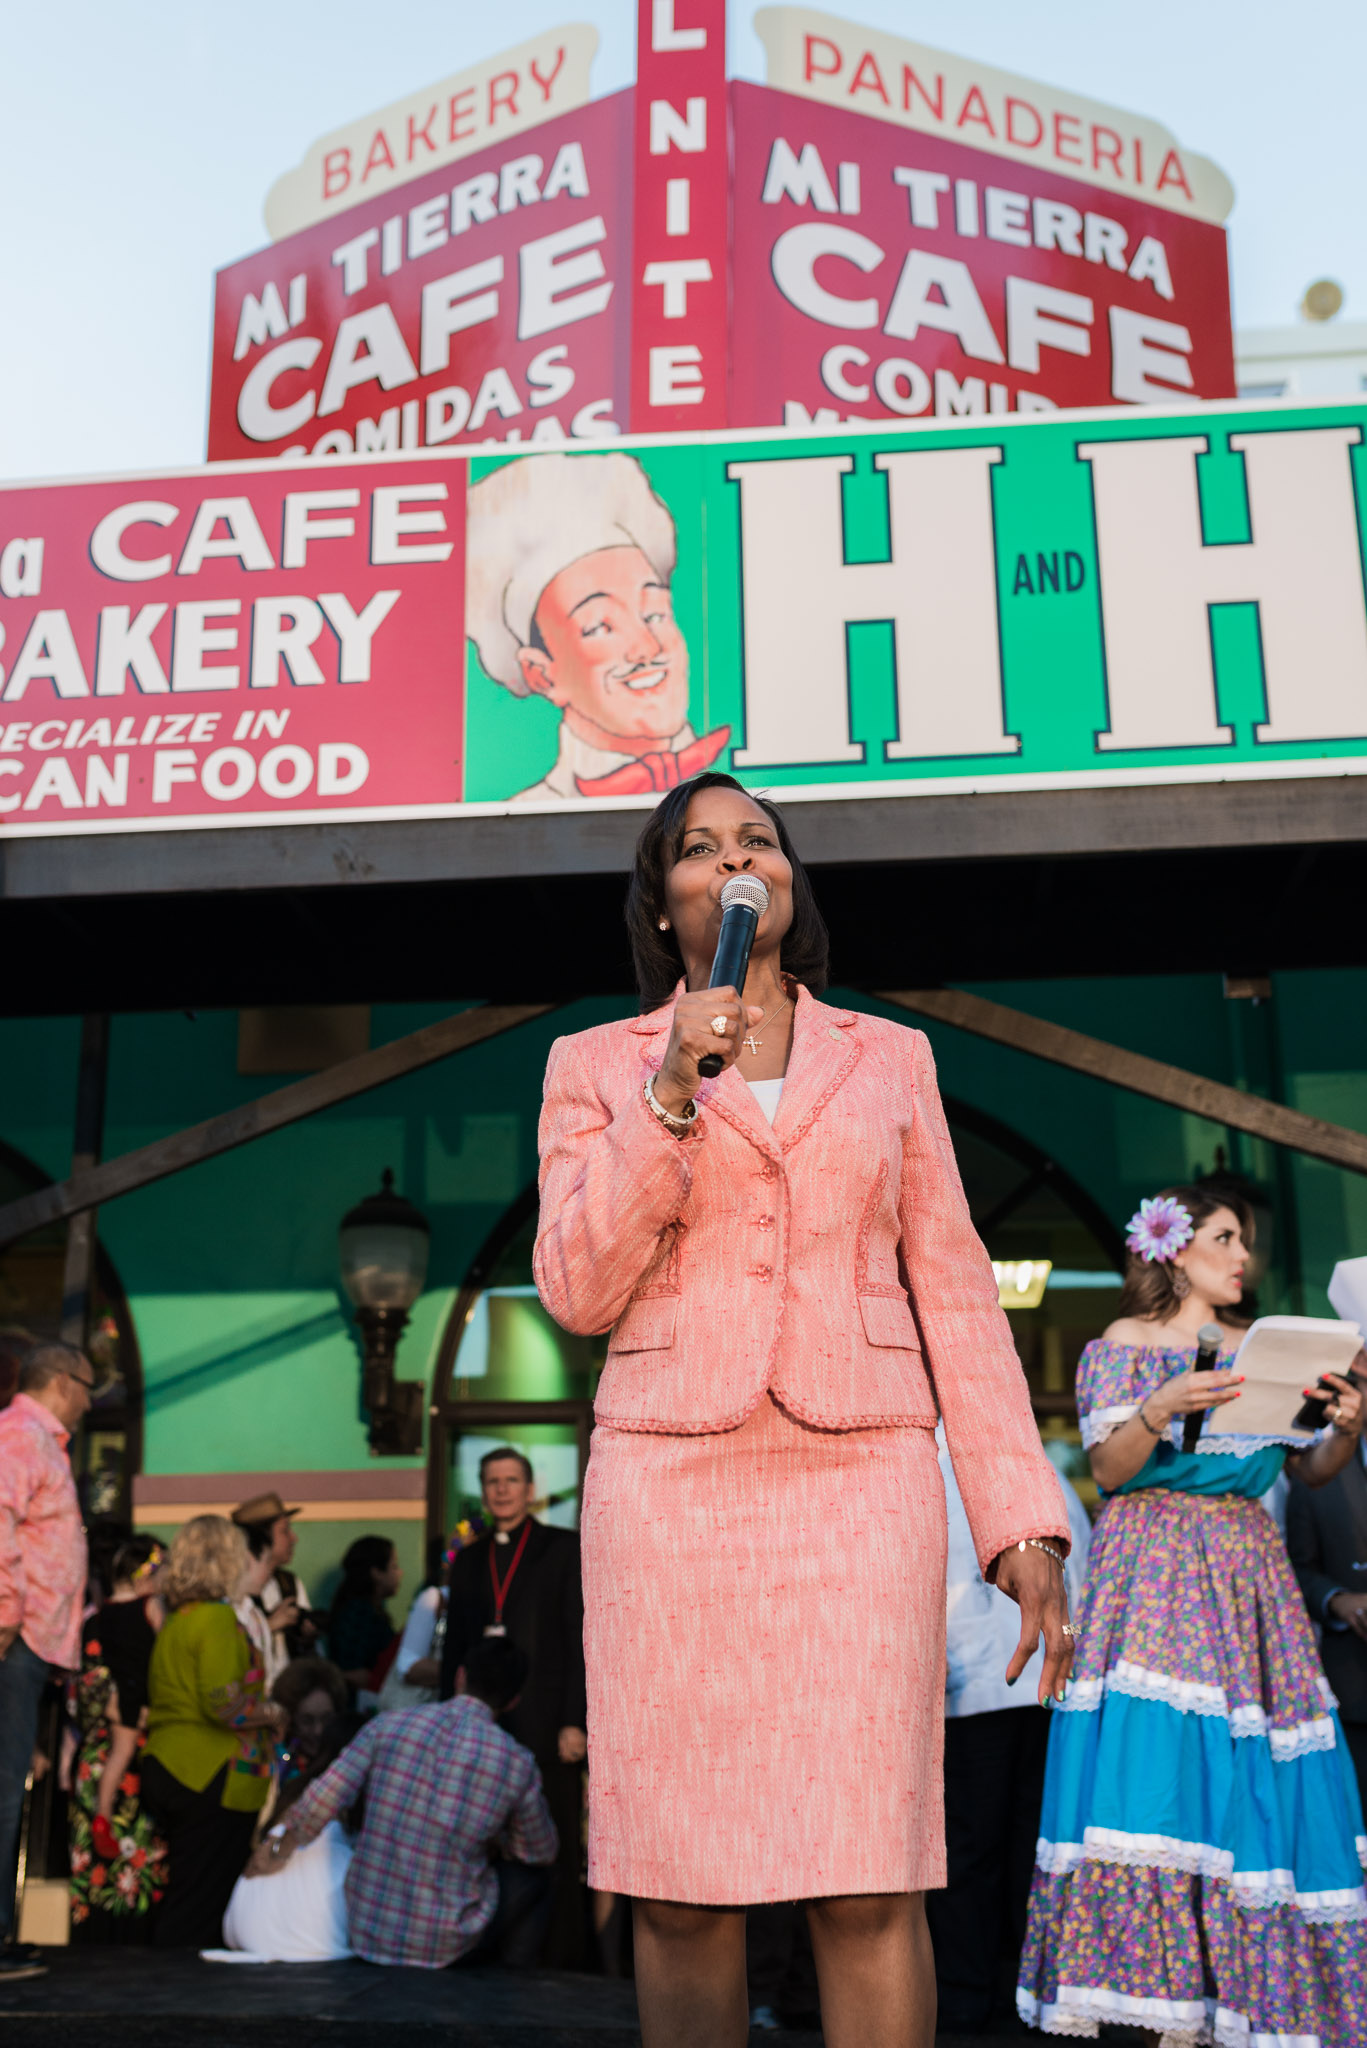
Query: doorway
{"type": "Point", "coordinates": [508, 1374]}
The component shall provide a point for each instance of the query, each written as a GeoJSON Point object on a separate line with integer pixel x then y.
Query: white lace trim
{"type": "Point", "coordinates": [1255, 1890]}
{"type": "Point", "coordinates": [1287, 1744]}
{"type": "Point", "coordinates": [1245, 1447]}
{"type": "Point", "coordinates": [1080, 2010]}
{"type": "Point", "coordinates": [1187, 1696]}
{"type": "Point", "coordinates": [1103, 1422]}
{"type": "Point", "coordinates": [1232, 2030]}
{"type": "Point", "coordinates": [1051, 2019]}
{"type": "Point", "coordinates": [1186, 2023]}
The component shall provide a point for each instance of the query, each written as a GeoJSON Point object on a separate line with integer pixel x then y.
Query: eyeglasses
{"type": "Point", "coordinates": [89, 1385]}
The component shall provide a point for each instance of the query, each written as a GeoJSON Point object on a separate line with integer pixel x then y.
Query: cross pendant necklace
{"type": "Point", "coordinates": [753, 1044]}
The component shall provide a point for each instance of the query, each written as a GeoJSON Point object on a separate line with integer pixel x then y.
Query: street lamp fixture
{"type": "Point", "coordinates": [383, 1245]}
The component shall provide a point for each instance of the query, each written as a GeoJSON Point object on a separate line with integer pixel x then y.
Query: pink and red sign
{"type": "Point", "coordinates": [879, 273]}
{"type": "Point", "coordinates": [680, 261]}
{"type": "Point", "coordinates": [484, 301]}
{"type": "Point", "coordinates": [233, 643]}
{"type": "Point", "coordinates": [882, 232]}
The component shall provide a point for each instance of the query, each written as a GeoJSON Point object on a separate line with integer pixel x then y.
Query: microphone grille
{"type": "Point", "coordinates": [1211, 1335]}
{"type": "Point", "coordinates": [748, 890]}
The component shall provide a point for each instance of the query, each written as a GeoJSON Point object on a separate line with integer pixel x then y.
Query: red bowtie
{"type": "Point", "coordinates": [657, 771]}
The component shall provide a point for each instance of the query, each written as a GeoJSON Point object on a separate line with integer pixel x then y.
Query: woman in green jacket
{"type": "Point", "coordinates": [206, 1768]}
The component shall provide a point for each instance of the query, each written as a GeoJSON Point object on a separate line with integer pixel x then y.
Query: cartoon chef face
{"type": "Point", "coordinates": [604, 646]}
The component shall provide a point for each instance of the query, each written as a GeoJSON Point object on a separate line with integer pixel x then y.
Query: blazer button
{"type": "Point", "coordinates": [761, 1272]}
{"type": "Point", "coordinates": [764, 1223]}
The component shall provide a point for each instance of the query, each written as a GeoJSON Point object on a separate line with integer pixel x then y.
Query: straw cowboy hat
{"type": "Point", "coordinates": [262, 1507]}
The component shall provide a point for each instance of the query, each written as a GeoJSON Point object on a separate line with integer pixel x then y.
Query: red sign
{"type": "Point", "coordinates": [233, 647]}
{"type": "Point", "coordinates": [684, 257]}
{"type": "Point", "coordinates": [483, 301]}
{"type": "Point", "coordinates": [680, 242]}
{"type": "Point", "coordinates": [882, 273]}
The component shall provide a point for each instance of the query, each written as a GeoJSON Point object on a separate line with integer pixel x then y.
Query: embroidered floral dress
{"type": "Point", "coordinates": [1200, 1864]}
{"type": "Point", "coordinates": [111, 1900]}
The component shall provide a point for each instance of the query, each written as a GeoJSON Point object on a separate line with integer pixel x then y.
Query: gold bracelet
{"type": "Point", "coordinates": [671, 1122]}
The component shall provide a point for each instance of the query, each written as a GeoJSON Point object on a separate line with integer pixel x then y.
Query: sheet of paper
{"type": "Point", "coordinates": [1348, 1291]}
{"type": "Point", "coordinates": [1280, 1357]}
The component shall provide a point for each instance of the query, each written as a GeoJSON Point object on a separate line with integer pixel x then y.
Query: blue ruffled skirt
{"type": "Point", "coordinates": [1200, 1863]}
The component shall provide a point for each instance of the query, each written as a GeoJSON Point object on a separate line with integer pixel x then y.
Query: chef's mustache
{"type": "Point", "coordinates": [624, 672]}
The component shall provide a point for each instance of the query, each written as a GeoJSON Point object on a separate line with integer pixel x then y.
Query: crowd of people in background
{"type": "Point", "coordinates": [247, 1774]}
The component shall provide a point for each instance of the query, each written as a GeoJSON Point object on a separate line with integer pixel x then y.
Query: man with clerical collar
{"type": "Point", "coordinates": [568, 598]}
{"type": "Point", "coordinates": [521, 1581]}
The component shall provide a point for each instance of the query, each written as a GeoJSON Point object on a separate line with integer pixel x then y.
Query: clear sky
{"type": "Point", "coordinates": [138, 138]}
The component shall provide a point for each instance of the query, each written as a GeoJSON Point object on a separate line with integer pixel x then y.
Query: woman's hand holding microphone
{"type": "Point", "coordinates": [693, 1038]}
{"type": "Point", "coordinates": [1188, 1394]}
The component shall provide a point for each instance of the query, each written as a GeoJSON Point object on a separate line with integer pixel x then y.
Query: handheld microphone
{"type": "Point", "coordinates": [1207, 1357]}
{"type": "Point", "coordinates": [744, 900]}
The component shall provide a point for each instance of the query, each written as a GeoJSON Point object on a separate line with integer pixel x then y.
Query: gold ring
{"type": "Point", "coordinates": [721, 1026]}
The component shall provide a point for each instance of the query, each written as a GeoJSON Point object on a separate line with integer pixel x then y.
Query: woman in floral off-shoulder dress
{"type": "Point", "coordinates": [1199, 1869]}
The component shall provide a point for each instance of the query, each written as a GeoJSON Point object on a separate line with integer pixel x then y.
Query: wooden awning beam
{"type": "Point", "coordinates": [1215, 1101]}
{"type": "Point", "coordinates": [99, 1184]}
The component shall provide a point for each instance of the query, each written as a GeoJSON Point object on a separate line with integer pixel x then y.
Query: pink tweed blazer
{"type": "Point", "coordinates": [829, 1259]}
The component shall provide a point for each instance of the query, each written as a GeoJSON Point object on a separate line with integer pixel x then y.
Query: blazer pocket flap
{"type": "Point", "coordinates": [647, 1325]}
{"type": "Point", "coordinates": [888, 1321]}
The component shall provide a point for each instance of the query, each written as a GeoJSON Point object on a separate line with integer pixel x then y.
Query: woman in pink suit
{"type": "Point", "coordinates": [785, 1259]}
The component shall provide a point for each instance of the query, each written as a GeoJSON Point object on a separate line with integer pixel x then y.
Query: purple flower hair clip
{"type": "Point", "coordinates": [1159, 1229]}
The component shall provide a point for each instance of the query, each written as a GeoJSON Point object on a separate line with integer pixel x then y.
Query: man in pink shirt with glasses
{"type": "Point", "coordinates": [42, 1585]}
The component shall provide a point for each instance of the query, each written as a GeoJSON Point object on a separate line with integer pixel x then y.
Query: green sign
{"type": "Point", "coordinates": [1049, 603]}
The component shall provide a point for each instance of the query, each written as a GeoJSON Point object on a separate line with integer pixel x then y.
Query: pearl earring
{"type": "Point", "coordinates": [664, 924]}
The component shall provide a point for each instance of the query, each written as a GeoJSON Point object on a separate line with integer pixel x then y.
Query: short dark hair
{"type": "Point", "coordinates": [133, 1554]}
{"type": "Point", "coordinates": [259, 1536]}
{"type": "Point", "coordinates": [506, 1451]}
{"type": "Point", "coordinates": [303, 1675]}
{"type": "Point", "coordinates": [45, 1362]}
{"type": "Point", "coordinates": [496, 1671]}
{"type": "Point", "coordinates": [805, 953]}
{"type": "Point", "coordinates": [360, 1561]}
{"type": "Point", "coordinates": [105, 1537]}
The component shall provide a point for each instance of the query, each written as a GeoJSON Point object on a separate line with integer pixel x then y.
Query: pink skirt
{"type": "Point", "coordinates": [765, 1635]}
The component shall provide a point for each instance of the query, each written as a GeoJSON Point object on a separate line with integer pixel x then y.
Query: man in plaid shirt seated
{"type": "Point", "coordinates": [443, 1787]}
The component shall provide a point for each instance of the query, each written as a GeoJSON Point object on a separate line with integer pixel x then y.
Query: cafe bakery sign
{"type": "Point", "coordinates": [1050, 602]}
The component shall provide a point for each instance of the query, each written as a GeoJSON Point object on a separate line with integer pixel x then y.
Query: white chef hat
{"type": "Point", "coordinates": [531, 519]}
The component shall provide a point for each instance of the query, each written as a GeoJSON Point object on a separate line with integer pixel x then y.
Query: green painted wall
{"type": "Point", "coordinates": [248, 1351]}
